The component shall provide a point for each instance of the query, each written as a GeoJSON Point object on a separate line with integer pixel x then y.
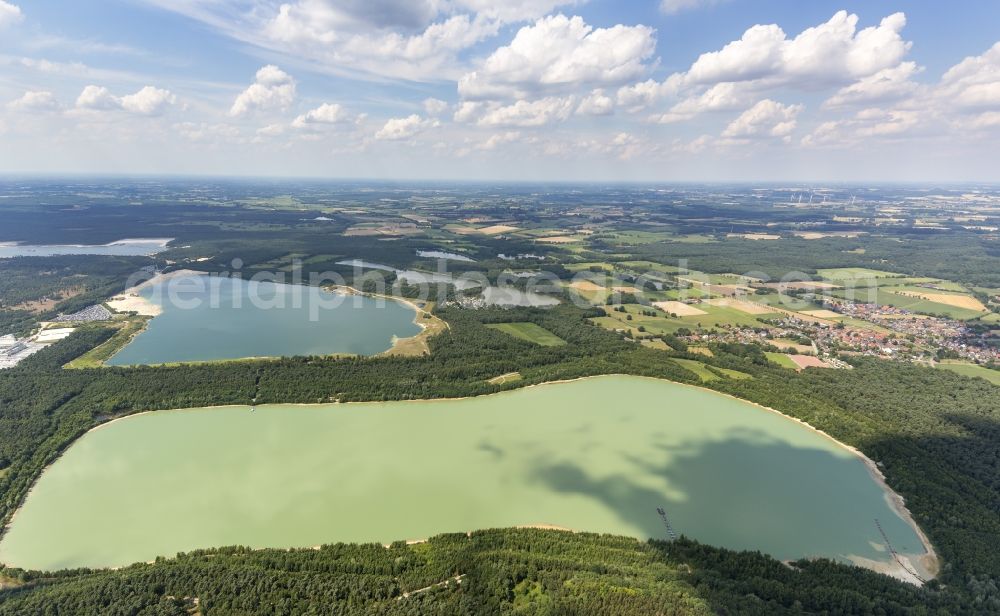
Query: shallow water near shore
{"type": "Point", "coordinates": [598, 454]}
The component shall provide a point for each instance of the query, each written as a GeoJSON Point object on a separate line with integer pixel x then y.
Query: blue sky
{"type": "Point", "coordinates": [667, 90]}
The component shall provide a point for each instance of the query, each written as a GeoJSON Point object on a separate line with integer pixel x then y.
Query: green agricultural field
{"type": "Point", "coordinates": [678, 294]}
{"type": "Point", "coordinates": [853, 273]}
{"type": "Point", "coordinates": [693, 238]}
{"type": "Point", "coordinates": [944, 285]}
{"type": "Point", "coordinates": [787, 302]}
{"type": "Point", "coordinates": [728, 278]}
{"type": "Point", "coordinates": [633, 238]}
{"type": "Point", "coordinates": [650, 266]}
{"type": "Point", "coordinates": [943, 288]}
{"type": "Point", "coordinates": [579, 267]}
{"type": "Point", "coordinates": [530, 332]}
{"type": "Point", "coordinates": [782, 360]}
{"type": "Point", "coordinates": [663, 323]}
{"type": "Point", "coordinates": [614, 324]}
{"type": "Point", "coordinates": [698, 368]}
{"type": "Point", "coordinates": [95, 358]}
{"type": "Point", "coordinates": [973, 370]}
{"type": "Point", "coordinates": [706, 373]}
{"type": "Point", "coordinates": [733, 374]}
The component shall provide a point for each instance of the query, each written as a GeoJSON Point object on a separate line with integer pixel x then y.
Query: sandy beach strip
{"type": "Point", "coordinates": [131, 300]}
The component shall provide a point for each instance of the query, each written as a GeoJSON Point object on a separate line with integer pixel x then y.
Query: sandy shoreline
{"type": "Point", "coordinates": [134, 303]}
{"type": "Point", "coordinates": [130, 299]}
{"type": "Point", "coordinates": [928, 563]}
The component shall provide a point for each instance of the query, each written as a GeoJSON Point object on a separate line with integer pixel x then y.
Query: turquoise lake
{"type": "Point", "coordinates": [211, 318]}
{"type": "Point", "coordinates": [121, 248]}
{"type": "Point", "coordinates": [599, 454]}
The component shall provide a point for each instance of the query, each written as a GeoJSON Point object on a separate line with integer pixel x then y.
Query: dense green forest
{"type": "Point", "coordinates": [512, 571]}
{"type": "Point", "coordinates": [72, 282]}
{"type": "Point", "coordinates": [934, 433]}
{"type": "Point", "coordinates": [968, 258]}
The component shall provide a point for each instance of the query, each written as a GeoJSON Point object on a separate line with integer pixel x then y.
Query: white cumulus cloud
{"type": "Point", "coordinates": [638, 96]}
{"type": "Point", "coordinates": [597, 103]}
{"type": "Point", "coordinates": [272, 88]}
{"type": "Point", "coordinates": [435, 107]}
{"type": "Point", "coordinates": [148, 101]}
{"type": "Point", "coordinates": [832, 54]}
{"type": "Point", "coordinates": [327, 113]}
{"type": "Point", "coordinates": [827, 53]}
{"type": "Point", "coordinates": [498, 139]}
{"type": "Point", "coordinates": [35, 100]}
{"type": "Point", "coordinates": [862, 127]}
{"type": "Point", "coordinates": [396, 129]}
{"type": "Point", "coordinates": [886, 85]}
{"type": "Point", "coordinates": [974, 82]}
{"type": "Point", "coordinates": [525, 113]}
{"type": "Point", "coordinates": [560, 53]}
{"type": "Point", "coordinates": [767, 118]}
{"type": "Point", "coordinates": [720, 97]}
{"type": "Point", "coordinates": [97, 98]}
{"type": "Point", "coordinates": [9, 13]}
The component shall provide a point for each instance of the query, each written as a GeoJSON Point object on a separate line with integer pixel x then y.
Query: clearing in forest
{"type": "Point", "coordinates": [530, 332]}
{"type": "Point", "coordinates": [972, 370]}
{"type": "Point", "coordinates": [698, 368]}
{"type": "Point", "coordinates": [853, 273]}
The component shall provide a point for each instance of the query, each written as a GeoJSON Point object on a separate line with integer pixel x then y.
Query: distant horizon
{"type": "Point", "coordinates": [814, 183]}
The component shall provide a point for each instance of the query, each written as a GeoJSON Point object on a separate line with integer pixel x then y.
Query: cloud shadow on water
{"type": "Point", "coordinates": [746, 491]}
